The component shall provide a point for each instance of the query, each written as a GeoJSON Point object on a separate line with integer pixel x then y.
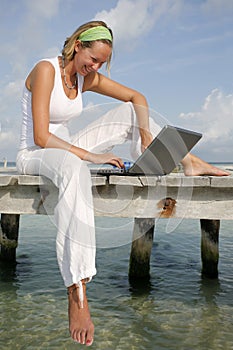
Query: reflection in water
{"type": "Point", "coordinates": [210, 289]}
{"type": "Point", "coordinates": [140, 287]}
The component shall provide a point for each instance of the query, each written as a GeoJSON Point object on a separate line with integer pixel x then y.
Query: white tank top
{"type": "Point", "coordinates": [62, 109]}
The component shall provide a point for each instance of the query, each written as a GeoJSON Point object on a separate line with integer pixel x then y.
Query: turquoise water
{"type": "Point", "coordinates": [176, 310]}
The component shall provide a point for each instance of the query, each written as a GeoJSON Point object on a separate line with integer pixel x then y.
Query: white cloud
{"type": "Point", "coordinates": [131, 20]}
{"type": "Point", "coordinates": [13, 88]}
{"type": "Point", "coordinates": [8, 144]}
{"type": "Point", "coordinates": [10, 121]}
{"type": "Point", "coordinates": [215, 121]}
{"type": "Point", "coordinates": [9, 93]}
{"type": "Point", "coordinates": [6, 138]}
{"type": "Point", "coordinates": [216, 116]}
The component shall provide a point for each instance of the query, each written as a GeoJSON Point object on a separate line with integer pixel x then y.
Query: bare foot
{"type": "Point", "coordinates": [194, 166]}
{"type": "Point", "coordinates": [80, 323]}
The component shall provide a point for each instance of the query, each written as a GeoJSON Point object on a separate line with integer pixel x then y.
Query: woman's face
{"type": "Point", "coordinates": [91, 59]}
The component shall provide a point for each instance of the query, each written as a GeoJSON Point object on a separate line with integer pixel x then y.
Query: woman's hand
{"type": "Point", "coordinates": [105, 158]}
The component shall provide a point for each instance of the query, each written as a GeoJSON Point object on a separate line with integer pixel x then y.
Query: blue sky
{"type": "Point", "coordinates": [177, 52]}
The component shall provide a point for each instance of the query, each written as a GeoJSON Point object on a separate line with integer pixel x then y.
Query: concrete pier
{"type": "Point", "coordinates": [207, 198]}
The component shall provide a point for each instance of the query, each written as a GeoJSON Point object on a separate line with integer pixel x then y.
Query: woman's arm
{"type": "Point", "coordinates": [100, 84]}
{"type": "Point", "coordinates": [40, 82]}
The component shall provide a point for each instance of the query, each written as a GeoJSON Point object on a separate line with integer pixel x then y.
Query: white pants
{"type": "Point", "coordinates": [74, 214]}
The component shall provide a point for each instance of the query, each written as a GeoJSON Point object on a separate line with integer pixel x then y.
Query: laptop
{"type": "Point", "coordinates": [164, 153]}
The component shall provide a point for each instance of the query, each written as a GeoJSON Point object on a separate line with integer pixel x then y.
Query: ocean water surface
{"type": "Point", "coordinates": [177, 309]}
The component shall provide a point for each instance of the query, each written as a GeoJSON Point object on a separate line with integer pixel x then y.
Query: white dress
{"type": "Point", "coordinates": [74, 214]}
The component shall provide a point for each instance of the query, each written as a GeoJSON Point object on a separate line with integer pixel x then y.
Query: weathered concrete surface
{"type": "Point", "coordinates": [197, 197]}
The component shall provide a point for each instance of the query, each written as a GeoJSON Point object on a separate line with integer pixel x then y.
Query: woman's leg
{"type": "Point", "coordinates": [116, 127]}
{"type": "Point", "coordinates": [74, 219]}
{"type": "Point", "coordinates": [120, 125]}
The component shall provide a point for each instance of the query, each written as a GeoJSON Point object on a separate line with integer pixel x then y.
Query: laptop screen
{"type": "Point", "coordinates": [166, 151]}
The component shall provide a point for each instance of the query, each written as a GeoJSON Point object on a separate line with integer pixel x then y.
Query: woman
{"type": "Point", "coordinates": [52, 96]}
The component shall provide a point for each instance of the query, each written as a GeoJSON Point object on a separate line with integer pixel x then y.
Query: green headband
{"type": "Point", "coordinates": [95, 33]}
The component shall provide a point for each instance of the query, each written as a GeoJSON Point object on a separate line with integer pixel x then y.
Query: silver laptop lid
{"type": "Point", "coordinates": [166, 151]}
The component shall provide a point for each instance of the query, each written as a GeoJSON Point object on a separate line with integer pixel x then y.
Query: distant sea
{"type": "Point", "coordinates": [177, 309]}
{"type": "Point", "coordinates": [9, 164]}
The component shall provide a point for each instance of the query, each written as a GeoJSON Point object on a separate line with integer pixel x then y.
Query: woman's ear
{"type": "Point", "coordinates": [77, 46]}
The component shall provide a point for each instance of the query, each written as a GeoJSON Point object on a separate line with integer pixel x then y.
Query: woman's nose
{"type": "Point", "coordinates": [96, 66]}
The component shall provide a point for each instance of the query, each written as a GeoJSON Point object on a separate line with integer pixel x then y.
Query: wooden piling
{"type": "Point", "coordinates": [143, 234]}
{"type": "Point", "coordinates": [209, 247]}
{"type": "Point", "coordinates": [9, 236]}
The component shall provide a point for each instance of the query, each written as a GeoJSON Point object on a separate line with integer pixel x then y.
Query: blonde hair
{"type": "Point", "coordinates": [68, 50]}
